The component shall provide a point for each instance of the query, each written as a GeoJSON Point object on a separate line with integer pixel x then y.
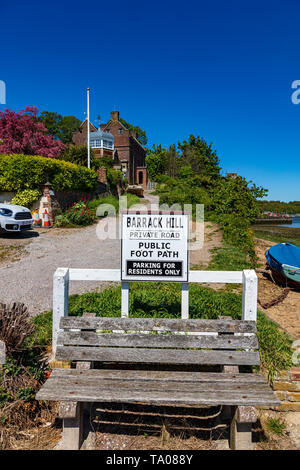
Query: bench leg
{"type": "Point", "coordinates": [241, 428]}
{"type": "Point", "coordinates": [72, 415]}
{"type": "Point", "coordinates": [241, 436]}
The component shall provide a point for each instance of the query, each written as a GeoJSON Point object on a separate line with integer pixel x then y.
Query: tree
{"type": "Point", "coordinates": [52, 122]}
{"type": "Point", "coordinates": [78, 154]}
{"type": "Point", "coordinates": [157, 162]}
{"type": "Point", "coordinates": [200, 156]}
{"type": "Point", "coordinates": [60, 127]}
{"type": "Point", "coordinates": [173, 161]}
{"type": "Point", "coordinates": [140, 134]}
{"type": "Point", "coordinates": [23, 133]}
{"type": "Point", "coordinates": [237, 197]}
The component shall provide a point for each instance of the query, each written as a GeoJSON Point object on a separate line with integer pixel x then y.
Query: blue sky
{"type": "Point", "coordinates": [221, 70]}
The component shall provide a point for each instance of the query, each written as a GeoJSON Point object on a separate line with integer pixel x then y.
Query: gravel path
{"type": "Point", "coordinates": [30, 280]}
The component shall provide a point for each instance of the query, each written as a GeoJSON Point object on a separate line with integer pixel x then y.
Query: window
{"type": "Point", "coordinates": [120, 130]}
{"type": "Point", "coordinates": [96, 143]}
{"type": "Point", "coordinates": [107, 144]}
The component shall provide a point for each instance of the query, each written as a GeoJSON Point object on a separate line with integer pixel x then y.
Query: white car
{"type": "Point", "coordinates": [14, 218]}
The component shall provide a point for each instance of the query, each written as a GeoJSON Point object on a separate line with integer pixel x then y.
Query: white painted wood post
{"type": "Point", "coordinates": [60, 301]}
{"type": "Point", "coordinates": [184, 300]}
{"type": "Point", "coordinates": [249, 295]}
{"type": "Point", "coordinates": [125, 299]}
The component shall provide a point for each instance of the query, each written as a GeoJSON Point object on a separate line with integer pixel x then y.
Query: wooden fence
{"type": "Point", "coordinates": [63, 276]}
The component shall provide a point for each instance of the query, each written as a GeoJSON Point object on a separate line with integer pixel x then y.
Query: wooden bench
{"type": "Point", "coordinates": [158, 343]}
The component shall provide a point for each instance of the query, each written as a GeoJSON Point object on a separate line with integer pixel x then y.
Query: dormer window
{"type": "Point", "coordinates": [107, 144]}
{"type": "Point", "coordinates": [101, 140]}
{"type": "Point", "coordinates": [96, 143]}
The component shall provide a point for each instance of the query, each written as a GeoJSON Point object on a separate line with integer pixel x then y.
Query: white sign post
{"type": "Point", "coordinates": [155, 247]}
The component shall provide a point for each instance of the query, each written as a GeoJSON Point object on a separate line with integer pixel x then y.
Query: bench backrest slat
{"type": "Point", "coordinates": [91, 338]}
{"type": "Point", "coordinates": [162, 356]}
{"type": "Point", "coordinates": [158, 324]}
{"type": "Point", "coordinates": [163, 341]}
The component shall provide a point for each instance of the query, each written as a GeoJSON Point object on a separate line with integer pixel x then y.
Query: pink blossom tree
{"type": "Point", "coordinates": [22, 133]}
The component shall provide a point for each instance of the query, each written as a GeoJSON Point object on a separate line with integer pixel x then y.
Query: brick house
{"type": "Point", "coordinates": [127, 153]}
{"type": "Point", "coordinates": [101, 142]}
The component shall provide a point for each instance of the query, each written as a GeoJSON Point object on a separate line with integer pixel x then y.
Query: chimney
{"type": "Point", "coordinates": [114, 115]}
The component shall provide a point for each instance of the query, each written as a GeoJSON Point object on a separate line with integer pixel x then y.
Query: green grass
{"type": "Point", "coordinates": [163, 300]}
{"type": "Point", "coordinates": [277, 234]}
{"type": "Point", "coordinates": [276, 425]}
{"type": "Point", "coordinates": [114, 201]}
{"type": "Point", "coordinates": [42, 335]}
{"type": "Point", "coordinates": [229, 258]}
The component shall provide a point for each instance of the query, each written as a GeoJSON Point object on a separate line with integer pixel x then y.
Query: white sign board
{"type": "Point", "coordinates": [155, 247]}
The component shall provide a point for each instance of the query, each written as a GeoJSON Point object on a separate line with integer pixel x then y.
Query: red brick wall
{"type": "Point", "coordinates": [126, 146]}
{"type": "Point", "coordinates": [102, 174]}
{"type": "Point", "coordinates": [80, 136]}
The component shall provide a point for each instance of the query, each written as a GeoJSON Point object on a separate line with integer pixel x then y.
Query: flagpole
{"type": "Point", "coordinates": [88, 128]}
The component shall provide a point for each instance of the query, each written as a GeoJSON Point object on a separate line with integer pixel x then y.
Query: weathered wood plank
{"type": "Point", "coordinates": [81, 384]}
{"type": "Point", "coordinates": [156, 394]}
{"type": "Point", "coordinates": [158, 324]}
{"type": "Point", "coordinates": [91, 338]}
{"type": "Point", "coordinates": [148, 375]}
{"type": "Point", "coordinates": [158, 387]}
{"type": "Point", "coordinates": [164, 356]}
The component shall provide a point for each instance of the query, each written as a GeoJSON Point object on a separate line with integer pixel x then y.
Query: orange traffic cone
{"type": "Point", "coordinates": [37, 220]}
{"type": "Point", "coordinates": [46, 219]}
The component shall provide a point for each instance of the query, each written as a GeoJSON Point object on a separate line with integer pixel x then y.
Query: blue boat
{"type": "Point", "coordinates": [284, 260]}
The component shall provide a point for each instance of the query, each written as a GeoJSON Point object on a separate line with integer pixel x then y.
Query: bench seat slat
{"type": "Point", "coordinates": [110, 385]}
{"type": "Point", "coordinates": [91, 338]}
{"type": "Point", "coordinates": [148, 375]}
{"type": "Point", "coordinates": [95, 388]}
{"type": "Point", "coordinates": [158, 324]}
{"type": "Point", "coordinates": [163, 356]}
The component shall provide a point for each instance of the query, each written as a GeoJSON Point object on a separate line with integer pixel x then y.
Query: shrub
{"type": "Point", "coordinates": [114, 177]}
{"type": "Point", "coordinates": [26, 394]}
{"type": "Point", "coordinates": [163, 300]}
{"type": "Point", "coordinates": [19, 172]}
{"type": "Point", "coordinates": [78, 154]}
{"type": "Point", "coordinates": [26, 198]}
{"type": "Point", "coordinates": [4, 397]}
{"type": "Point", "coordinates": [112, 200]}
{"type": "Point", "coordinates": [78, 214]}
{"type": "Point", "coordinates": [14, 325]}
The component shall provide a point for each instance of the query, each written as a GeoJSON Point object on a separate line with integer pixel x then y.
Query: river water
{"type": "Point", "coordinates": [295, 224]}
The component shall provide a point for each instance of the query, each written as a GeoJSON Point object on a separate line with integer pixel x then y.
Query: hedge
{"type": "Point", "coordinates": [19, 172]}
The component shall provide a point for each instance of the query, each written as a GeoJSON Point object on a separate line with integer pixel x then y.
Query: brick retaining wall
{"type": "Point", "coordinates": [286, 386]}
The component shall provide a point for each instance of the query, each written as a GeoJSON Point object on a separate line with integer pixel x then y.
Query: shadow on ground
{"type": "Point", "coordinates": [140, 426]}
{"type": "Point", "coordinates": [26, 235]}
